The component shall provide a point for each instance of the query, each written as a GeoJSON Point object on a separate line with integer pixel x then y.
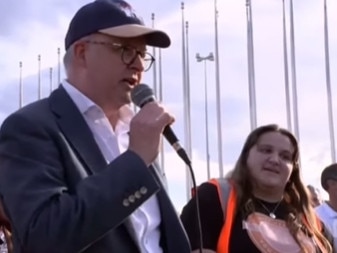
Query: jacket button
{"type": "Point", "coordinates": [143, 190]}
{"type": "Point", "coordinates": [138, 195]}
{"type": "Point", "coordinates": [126, 202]}
{"type": "Point", "coordinates": [132, 198]}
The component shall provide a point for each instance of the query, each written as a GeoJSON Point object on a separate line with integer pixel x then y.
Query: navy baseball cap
{"type": "Point", "coordinates": [114, 18]}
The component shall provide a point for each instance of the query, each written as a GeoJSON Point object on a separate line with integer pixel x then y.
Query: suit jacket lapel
{"type": "Point", "coordinates": [159, 174]}
{"type": "Point", "coordinates": [173, 236]}
{"type": "Point", "coordinates": [76, 130]}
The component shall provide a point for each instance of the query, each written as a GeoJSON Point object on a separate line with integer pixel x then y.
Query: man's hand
{"type": "Point", "coordinates": [145, 131]}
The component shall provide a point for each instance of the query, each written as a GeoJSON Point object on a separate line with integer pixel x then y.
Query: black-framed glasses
{"type": "Point", "coordinates": [128, 53]}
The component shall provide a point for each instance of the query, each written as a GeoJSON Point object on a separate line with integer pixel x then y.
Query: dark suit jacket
{"type": "Point", "coordinates": [60, 194]}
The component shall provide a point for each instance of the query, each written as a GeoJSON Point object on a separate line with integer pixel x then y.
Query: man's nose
{"type": "Point", "coordinates": [138, 63]}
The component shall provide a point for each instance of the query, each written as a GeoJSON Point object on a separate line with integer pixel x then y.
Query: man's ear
{"type": "Point", "coordinates": [79, 53]}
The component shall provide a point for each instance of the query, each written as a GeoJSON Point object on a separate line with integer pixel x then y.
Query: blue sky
{"type": "Point", "coordinates": [29, 28]}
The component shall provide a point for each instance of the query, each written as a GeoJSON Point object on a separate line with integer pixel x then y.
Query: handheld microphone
{"type": "Point", "coordinates": [140, 96]}
{"type": "Point", "coordinates": [143, 94]}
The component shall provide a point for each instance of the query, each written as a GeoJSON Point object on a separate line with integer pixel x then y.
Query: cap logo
{"type": "Point", "coordinates": [126, 8]}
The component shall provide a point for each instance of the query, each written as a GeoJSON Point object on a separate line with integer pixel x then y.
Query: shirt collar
{"type": "Point", "coordinates": [84, 104]}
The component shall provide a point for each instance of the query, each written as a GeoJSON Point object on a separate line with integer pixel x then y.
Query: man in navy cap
{"type": "Point", "coordinates": [76, 169]}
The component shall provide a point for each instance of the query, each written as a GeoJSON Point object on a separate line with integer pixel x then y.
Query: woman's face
{"type": "Point", "coordinates": [270, 161]}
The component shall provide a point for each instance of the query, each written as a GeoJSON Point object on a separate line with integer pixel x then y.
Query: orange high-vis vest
{"type": "Point", "coordinates": [227, 197]}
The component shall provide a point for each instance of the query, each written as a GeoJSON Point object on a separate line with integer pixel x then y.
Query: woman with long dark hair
{"type": "Point", "coordinates": [266, 207]}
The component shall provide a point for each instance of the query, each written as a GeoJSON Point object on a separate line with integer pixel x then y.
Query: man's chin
{"type": "Point", "coordinates": [126, 101]}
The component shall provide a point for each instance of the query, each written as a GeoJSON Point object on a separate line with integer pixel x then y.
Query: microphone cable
{"type": "Point", "coordinates": [183, 155]}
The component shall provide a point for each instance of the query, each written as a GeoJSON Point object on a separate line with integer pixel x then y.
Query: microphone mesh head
{"type": "Point", "coordinates": [141, 94]}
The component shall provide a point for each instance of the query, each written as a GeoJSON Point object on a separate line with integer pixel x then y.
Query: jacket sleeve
{"type": "Point", "coordinates": [45, 215]}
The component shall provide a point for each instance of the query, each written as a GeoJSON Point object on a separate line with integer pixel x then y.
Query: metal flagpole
{"type": "Point", "coordinates": [51, 79]}
{"type": "Point", "coordinates": [188, 174]}
{"type": "Point", "coordinates": [39, 77]}
{"type": "Point", "coordinates": [328, 84]}
{"type": "Point", "coordinates": [58, 66]}
{"type": "Point", "coordinates": [209, 57]}
{"type": "Point", "coordinates": [155, 91]}
{"type": "Point", "coordinates": [286, 69]}
{"type": "Point", "coordinates": [160, 96]}
{"type": "Point", "coordinates": [218, 92]}
{"type": "Point", "coordinates": [251, 68]}
{"type": "Point", "coordinates": [160, 76]}
{"type": "Point", "coordinates": [188, 97]}
{"type": "Point", "coordinates": [20, 86]}
{"type": "Point", "coordinates": [206, 124]}
{"type": "Point", "coordinates": [293, 71]}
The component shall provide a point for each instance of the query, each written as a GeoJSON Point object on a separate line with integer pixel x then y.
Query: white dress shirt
{"type": "Point", "coordinates": [145, 221]}
{"type": "Point", "coordinates": [329, 217]}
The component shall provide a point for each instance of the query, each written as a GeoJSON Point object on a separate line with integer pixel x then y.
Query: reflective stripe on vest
{"type": "Point", "coordinates": [227, 197]}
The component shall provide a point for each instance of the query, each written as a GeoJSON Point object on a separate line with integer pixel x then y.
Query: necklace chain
{"type": "Point", "coordinates": [271, 213]}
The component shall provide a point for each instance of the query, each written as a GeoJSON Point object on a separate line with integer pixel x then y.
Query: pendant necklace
{"type": "Point", "coordinates": [271, 213]}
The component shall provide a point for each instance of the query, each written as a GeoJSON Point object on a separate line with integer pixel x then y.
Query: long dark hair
{"type": "Point", "coordinates": [301, 214]}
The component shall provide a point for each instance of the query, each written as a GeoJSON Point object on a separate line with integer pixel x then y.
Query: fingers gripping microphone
{"type": "Point", "coordinates": [143, 94]}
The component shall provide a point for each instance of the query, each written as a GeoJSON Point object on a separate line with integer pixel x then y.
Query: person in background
{"type": "Point", "coordinates": [267, 208]}
{"type": "Point", "coordinates": [327, 211]}
{"type": "Point", "coordinates": [315, 196]}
